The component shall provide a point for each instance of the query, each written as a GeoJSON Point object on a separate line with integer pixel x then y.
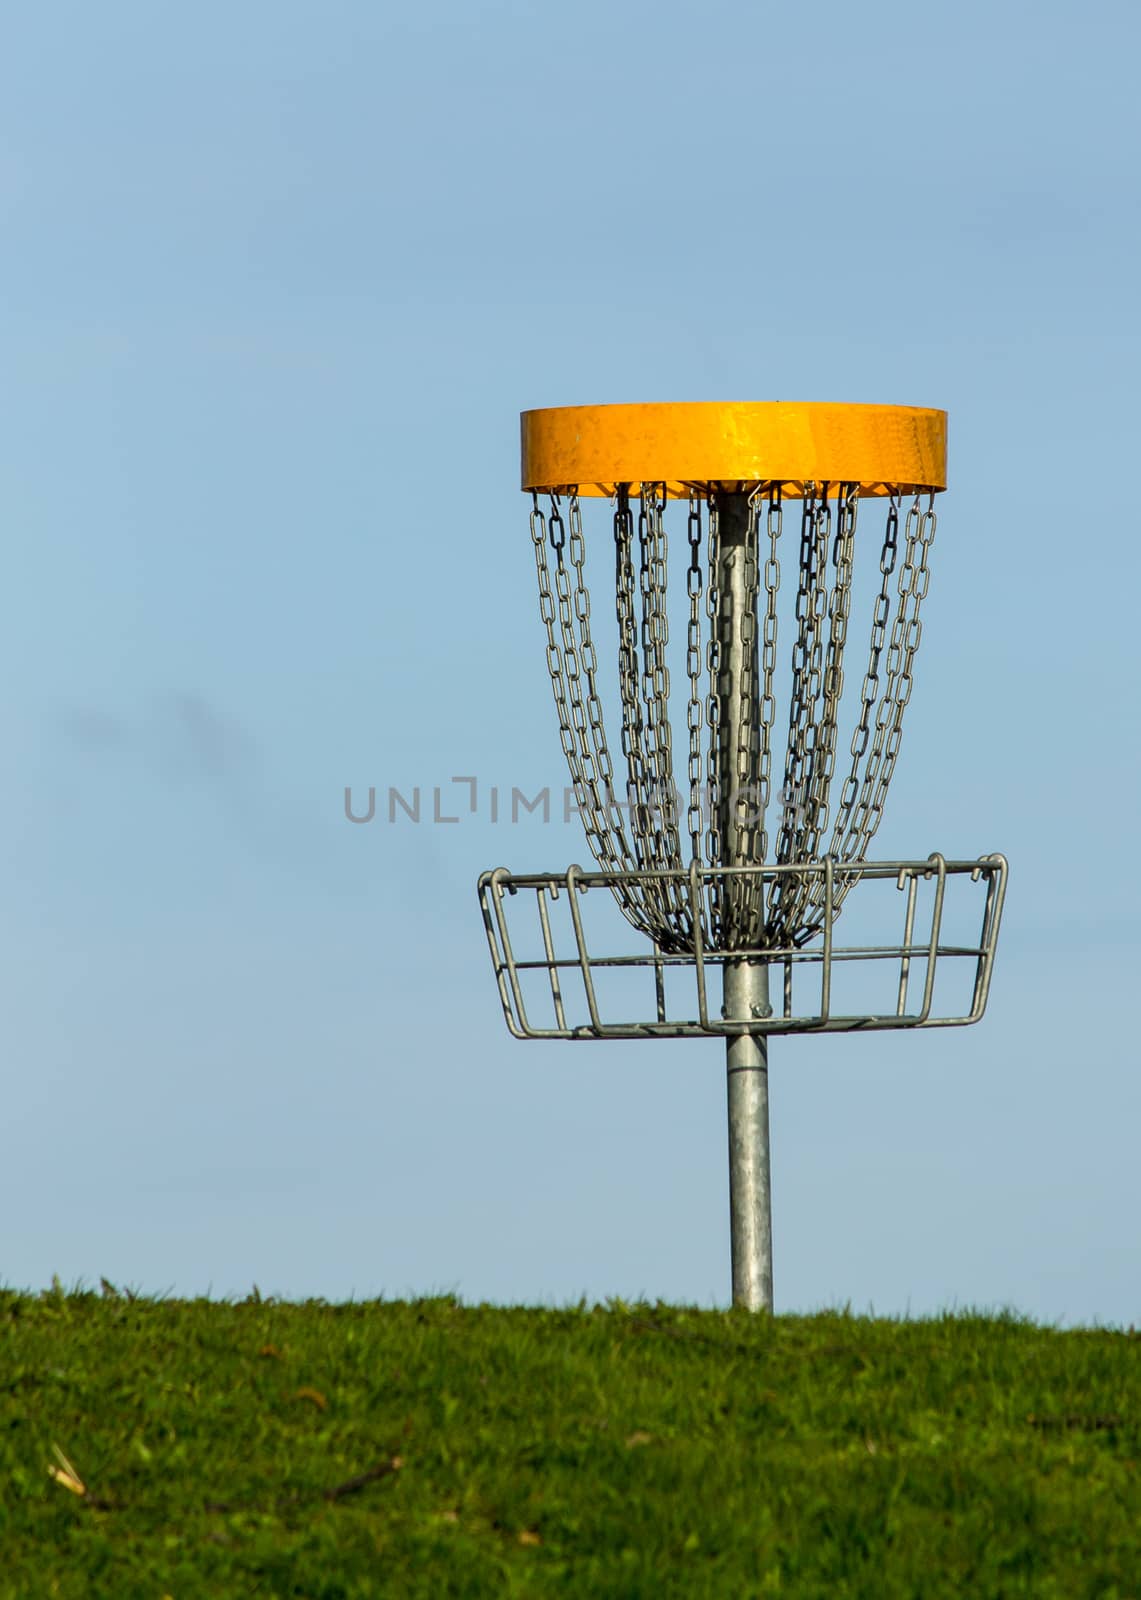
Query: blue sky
{"type": "Point", "coordinates": [277, 281]}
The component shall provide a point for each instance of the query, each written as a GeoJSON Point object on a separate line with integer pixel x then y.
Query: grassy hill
{"type": "Point", "coordinates": [196, 1448]}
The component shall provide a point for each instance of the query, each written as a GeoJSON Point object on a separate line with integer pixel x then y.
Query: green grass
{"type": "Point", "coordinates": [431, 1449]}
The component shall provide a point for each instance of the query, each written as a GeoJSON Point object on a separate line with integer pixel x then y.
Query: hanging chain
{"type": "Point", "coordinates": [571, 662]}
{"type": "Point", "coordinates": [694, 588]}
{"type": "Point", "coordinates": [605, 828]}
{"type": "Point", "coordinates": [655, 675]}
{"type": "Point", "coordinates": [579, 754]}
{"type": "Point", "coordinates": [798, 754]}
{"type": "Point", "coordinates": [748, 895]}
{"type": "Point", "coordinates": [606, 800]}
{"type": "Point", "coordinates": [914, 578]}
{"type": "Point", "coordinates": [577, 743]}
{"type": "Point", "coordinates": [839, 609]}
{"type": "Point", "coordinates": [861, 819]}
{"type": "Point", "coordinates": [664, 844]}
{"type": "Point", "coordinates": [548, 613]}
{"type": "Point", "coordinates": [745, 800]}
{"type": "Point", "coordinates": [768, 705]}
{"type": "Point", "coordinates": [871, 688]}
{"type": "Point", "coordinates": [810, 798]}
{"type": "Point", "coordinates": [639, 740]}
{"type": "Point", "coordinates": [800, 796]}
{"type": "Point", "coordinates": [628, 677]}
{"type": "Point", "coordinates": [713, 841]}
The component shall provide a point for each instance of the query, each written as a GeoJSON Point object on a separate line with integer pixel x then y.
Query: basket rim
{"type": "Point", "coordinates": [733, 446]}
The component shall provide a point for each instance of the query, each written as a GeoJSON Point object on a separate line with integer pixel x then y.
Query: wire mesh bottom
{"type": "Point", "coordinates": [932, 949]}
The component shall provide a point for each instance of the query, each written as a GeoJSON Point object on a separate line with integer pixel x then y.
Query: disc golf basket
{"type": "Point", "coordinates": [737, 877]}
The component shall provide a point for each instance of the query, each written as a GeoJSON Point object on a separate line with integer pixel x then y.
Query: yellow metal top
{"type": "Point", "coordinates": [734, 443]}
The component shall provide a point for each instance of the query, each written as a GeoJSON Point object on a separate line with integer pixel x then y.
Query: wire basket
{"type": "Point", "coordinates": [556, 974]}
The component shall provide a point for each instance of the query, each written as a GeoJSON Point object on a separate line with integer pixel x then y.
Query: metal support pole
{"type": "Point", "coordinates": [746, 982]}
{"type": "Point", "coordinates": [750, 1185]}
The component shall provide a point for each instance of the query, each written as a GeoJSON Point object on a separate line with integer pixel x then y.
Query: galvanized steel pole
{"type": "Point", "coordinates": [746, 982]}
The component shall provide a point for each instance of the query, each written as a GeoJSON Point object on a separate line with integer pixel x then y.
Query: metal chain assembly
{"type": "Point", "coordinates": [731, 670]}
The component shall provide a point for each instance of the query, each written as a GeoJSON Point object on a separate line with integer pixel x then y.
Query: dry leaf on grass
{"type": "Point", "coordinates": [65, 1473]}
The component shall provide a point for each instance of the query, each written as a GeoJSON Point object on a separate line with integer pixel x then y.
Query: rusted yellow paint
{"type": "Point", "coordinates": [882, 448]}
